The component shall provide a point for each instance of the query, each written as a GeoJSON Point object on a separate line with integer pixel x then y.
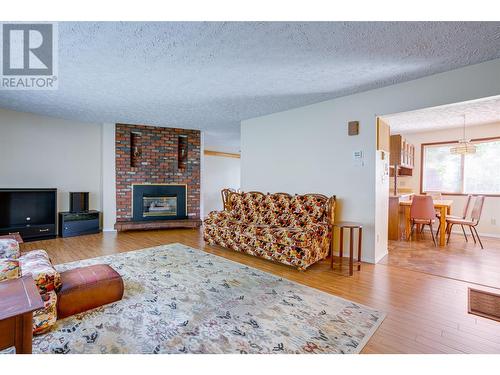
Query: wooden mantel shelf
{"type": "Point", "coordinates": [122, 226]}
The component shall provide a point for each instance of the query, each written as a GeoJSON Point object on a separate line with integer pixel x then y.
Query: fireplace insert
{"type": "Point", "coordinates": [159, 206]}
{"type": "Point", "coordinates": [159, 202]}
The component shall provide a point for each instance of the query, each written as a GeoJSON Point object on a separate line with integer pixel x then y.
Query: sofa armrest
{"type": "Point", "coordinates": [9, 248]}
{"type": "Point", "coordinates": [9, 269]}
{"type": "Point", "coordinates": [37, 263]}
{"type": "Point", "coordinates": [321, 229]}
{"type": "Point", "coordinates": [217, 217]}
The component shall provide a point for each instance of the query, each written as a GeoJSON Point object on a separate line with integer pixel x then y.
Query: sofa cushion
{"type": "Point", "coordinates": [9, 269]}
{"type": "Point", "coordinates": [9, 248]}
{"type": "Point", "coordinates": [37, 263]}
{"type": "Point", "coordinates": [289, 236]}
{"type": "Point", "coordinates": [292, 236]}
{"type": "Point", "coordinates": [45, 318]}
{"type": "Point", "coordinates": [279, 209]}
{"type": "Point", "coordinates": [308, 208]}
{"type": "Point", "coordinates": [246, 207]}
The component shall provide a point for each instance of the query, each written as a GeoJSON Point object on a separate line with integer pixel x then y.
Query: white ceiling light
{"type": "Point", "coordinates": [464, 147]}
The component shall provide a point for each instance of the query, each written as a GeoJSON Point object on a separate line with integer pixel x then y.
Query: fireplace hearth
{"type": "Point", "coordinates": [159, 202]}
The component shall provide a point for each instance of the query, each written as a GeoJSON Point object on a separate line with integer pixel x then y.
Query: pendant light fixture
{"type": "Point", "coordinates": [464, 146]}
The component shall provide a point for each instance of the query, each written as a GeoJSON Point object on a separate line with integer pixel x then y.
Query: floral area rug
{"type": "Point", "coordinates": [182, 300]}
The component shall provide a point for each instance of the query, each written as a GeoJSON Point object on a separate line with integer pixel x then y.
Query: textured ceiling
{"type": "Point", "coordinates": [477, 112]}
{"type": "Point", "coordinates": [210, 76]}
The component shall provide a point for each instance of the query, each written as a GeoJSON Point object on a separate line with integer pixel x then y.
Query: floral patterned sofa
{"type": "Point", "coordinates": [294, 230]}
{"type": "Point", "coordinates": [47, 279]}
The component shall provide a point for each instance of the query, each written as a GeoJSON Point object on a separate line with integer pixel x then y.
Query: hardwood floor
{"type": "Point", "coordinates": [425, 313]}
{"type": "Point", "coordinates": [460, 260]}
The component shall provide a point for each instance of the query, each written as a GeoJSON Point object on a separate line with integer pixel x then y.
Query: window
{"type": "Point", "coordinates": [458, 174]}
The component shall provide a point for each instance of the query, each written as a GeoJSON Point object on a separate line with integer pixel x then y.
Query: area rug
{"type": "Point", "coordinates": [182, 300]}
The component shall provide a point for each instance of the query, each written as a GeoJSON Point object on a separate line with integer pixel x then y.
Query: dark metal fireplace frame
{"type": "Point", "coordinates": [178, 190]}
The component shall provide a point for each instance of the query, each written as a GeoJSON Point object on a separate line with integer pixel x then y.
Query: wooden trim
{"type": "Point", "coordinates": [485, 139]}
{"type": "Point", "coordinates": [222, 154]}
{"type": "Point", "coordinates": [383, 135]}
{"type": "Point", "coordinates": [477, 140]}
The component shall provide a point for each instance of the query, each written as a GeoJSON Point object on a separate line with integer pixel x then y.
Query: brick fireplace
{"type": "Point", "coordinates": [150, 155]}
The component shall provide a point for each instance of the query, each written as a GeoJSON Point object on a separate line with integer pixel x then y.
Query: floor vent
{"type": "Point", "coordinates": [485, 304]}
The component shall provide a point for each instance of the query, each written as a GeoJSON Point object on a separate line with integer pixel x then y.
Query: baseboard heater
{"type": "Point", "coordinates": [485, 304]}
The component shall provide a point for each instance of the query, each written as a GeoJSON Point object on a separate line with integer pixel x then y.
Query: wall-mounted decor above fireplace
{"type": "Point", "coordinates": [159, 202]}
{"type": "Point", "coordinates": [182, 153]}
{"type": "Point", "coordinates": [135, 149]}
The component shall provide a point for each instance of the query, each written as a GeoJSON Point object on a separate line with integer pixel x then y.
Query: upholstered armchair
{"type": "Point", "coordinates": [48, 281]}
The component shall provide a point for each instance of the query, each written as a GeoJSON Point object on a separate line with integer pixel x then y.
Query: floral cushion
{"type": "Point", "coordinates": [37, 263]}
{"type": "Point", "coordinates": [291, 236]}
{"type": "Point", "coordinates": [9, 269]}
{"type": "Point", "coordinates": [218, 217]}
{"type": "Point", "coordinates": [9, 248]}
{"type": "Point", "coordinates": [278, 209]}
{"type": "Point", "coordinates": [45, 318]}
{"type": "Point", "coordinates": [246, 207]}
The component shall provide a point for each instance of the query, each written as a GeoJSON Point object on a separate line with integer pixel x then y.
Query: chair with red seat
{"type": "Point", "coordinates": [422, 213]}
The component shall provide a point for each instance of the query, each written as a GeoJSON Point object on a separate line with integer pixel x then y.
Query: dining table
{"type": "Point", "coordinates": [441, 205]}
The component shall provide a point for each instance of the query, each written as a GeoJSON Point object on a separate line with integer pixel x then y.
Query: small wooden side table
{"type": "Point", "coordinates": [351, 226]}
{"type": "Point", "coordinates": [18, 299]}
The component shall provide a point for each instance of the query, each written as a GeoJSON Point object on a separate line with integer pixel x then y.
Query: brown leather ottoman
{"type": "Point", "coordinates": [86, 288]}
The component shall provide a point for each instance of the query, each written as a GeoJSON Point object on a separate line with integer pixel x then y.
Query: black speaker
{"type": "Point", "coordinates": [78, 201]}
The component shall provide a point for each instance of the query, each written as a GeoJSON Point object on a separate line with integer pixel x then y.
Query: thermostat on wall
{"type": "Point", "coordinates": [357, 155]}
{"type": "Point", "coordinates": [358, 158]}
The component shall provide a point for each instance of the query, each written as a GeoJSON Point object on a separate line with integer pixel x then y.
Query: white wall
{"type": "Point", "coordinates": [108, 181]}
{"type": "Point", "coordinates": [491, 209]}
{"type": "Point", "coordinates": [219, 173]}
{"type": "Point", "coordinates": [307, 149]}
{"type": "Point", "coordinates": [43, 152]}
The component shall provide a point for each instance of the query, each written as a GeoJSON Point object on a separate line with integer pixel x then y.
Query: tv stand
{"type": "Point", "coordinates": [31, 212]}
{"type": "Point", "coordinates": [79, 223]}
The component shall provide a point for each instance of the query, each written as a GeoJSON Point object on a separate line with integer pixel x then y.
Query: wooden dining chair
{"type": "Point", "coordinates": [471, 222]}
{"type": "Point", "coordinates": [422, 213]}
{"type": "Point", "coordinates": [464, 215]}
